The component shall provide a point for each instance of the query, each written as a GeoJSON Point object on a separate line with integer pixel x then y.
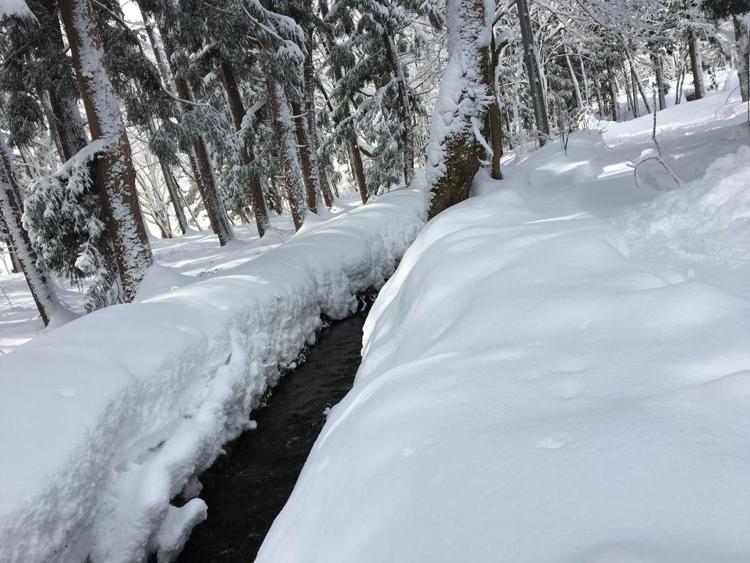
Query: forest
{"type": "Point", "coordinates": [539, 211]}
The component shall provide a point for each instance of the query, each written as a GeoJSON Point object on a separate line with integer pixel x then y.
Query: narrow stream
{"type": "Point", "coordinates": [247, 488]}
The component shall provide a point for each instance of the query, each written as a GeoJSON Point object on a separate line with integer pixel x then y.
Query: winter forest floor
{"type": "Point", "coordinates": [557, 371]}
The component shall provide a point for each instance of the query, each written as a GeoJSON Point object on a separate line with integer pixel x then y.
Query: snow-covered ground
{"type": "Point", "coordinates": [105, 419]}
{"type": "Point", "coordinates": [559, 370]}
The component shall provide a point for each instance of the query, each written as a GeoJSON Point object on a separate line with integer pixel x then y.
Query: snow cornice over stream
{"type": "Point", "coordinates": [105, 419]}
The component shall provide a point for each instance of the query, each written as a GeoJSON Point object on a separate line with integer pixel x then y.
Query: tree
{"type": "Point", "coordinates": [10, 218]}
{"type": "Point", "coordinates": [454, 151]}
{"type": "Point", "coordinates": [531, 60]}
{"type": "Point", "coordinates": [114, 167]}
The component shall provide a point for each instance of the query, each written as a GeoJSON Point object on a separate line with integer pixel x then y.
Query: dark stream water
{"type": "Point", "coordinates": [247, 488]}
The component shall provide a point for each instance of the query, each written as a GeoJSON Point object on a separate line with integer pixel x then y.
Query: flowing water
{"type": "Point", "coordinates": [248, 487]}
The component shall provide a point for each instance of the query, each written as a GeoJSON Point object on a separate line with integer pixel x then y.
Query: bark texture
{"type": "Point", "coordinates": [531, 61]}
{"type": "Point", "coordinates": [114, 170]}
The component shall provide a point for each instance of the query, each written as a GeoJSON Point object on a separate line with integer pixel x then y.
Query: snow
{"type": "Point", "coordinates": [105, 419]}
{"type": "Point", "coordinates": [14, 8]}
{"type": "Point", "coordinates": [559, 369]}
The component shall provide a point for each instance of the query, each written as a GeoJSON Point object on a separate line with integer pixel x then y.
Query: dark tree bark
{"type": "Point", "coordinates": [696, 65]}
{"type": "Point", "coordinates": [237, 109]}
{"type": "Point", "coordinates": [536, 87]}
{"type": "Point", "coordinates": [309, 174]}
{"type": "Point", "coordinates": [115, 173]}
{"type": "Point", "coordinates": [494, 121]}
{"type": "Point", "coordinates": [613, 93]}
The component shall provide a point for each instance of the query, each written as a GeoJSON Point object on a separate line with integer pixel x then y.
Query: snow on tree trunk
{"type": "Point", "coordinates": [237, 109]}
{"type": "Point", "coordinates": [454, 151]}
{"type": "Point", "coordinates": [115, 173]}
{"type": "Point", "coordinates": [18, 239]}
{"type": "Point", "coordinates": [531, 60]}
{"type": "Point", "coordinates": [696, 65]}
{"type": "Point", "coordinates": [283, 123]}
{"type": "Point", "coordinates": [741, 31]}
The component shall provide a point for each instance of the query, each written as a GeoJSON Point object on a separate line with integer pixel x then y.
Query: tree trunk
{"type": "Point", "coordinates": [629, 92]}
{"type": "Point", "coordinates": [115, 173]}
{"type": "Point", "coordinates": [199, 160]}
{"type": "Point", "coordinates": [574, 80]}
{"type": "Point", "coordinates": [283, 124]}
{"type": "Point", "coordinates": [637, 85]}
{"type": "Point", "coordinates": [455, 152]}
{"type": "Point", "coordinates": [743, 54]}
{"type": "Point", "coordinates": [494, 121]}
{"type": "Point", "coordinates": [11, 210]}
{"type": "Point", "coordinates": [311, 114]}
{"type": "Point", "coordinates": [696, 65]}
{"type": "Point", "coordinates": [531, 61]}
{"type": "Point", "coordinates": [660, 86]}
{"type": "Point", "coordinates": [237, 109]}
{"type": "Point", "coordinates": [174, 195]}
{"type": "Point", "coordinates": [309, 172]}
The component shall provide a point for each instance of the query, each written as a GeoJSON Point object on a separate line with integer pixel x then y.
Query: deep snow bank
{"type": "Point", "coordinates": [530, 393]}
{"type": "Point", "coordinates": [708, 217]}
{"type": "Point", "coordinates": [104, 420]}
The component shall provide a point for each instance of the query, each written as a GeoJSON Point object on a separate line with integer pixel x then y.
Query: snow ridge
{"type": "Point", "coordinates": [105, 419]}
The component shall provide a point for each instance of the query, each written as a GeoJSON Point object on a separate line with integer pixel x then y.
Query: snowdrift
{"type": "Point", "coordinates": [104, 420]}
{"type": "Point", "coordinates": [528, 393]}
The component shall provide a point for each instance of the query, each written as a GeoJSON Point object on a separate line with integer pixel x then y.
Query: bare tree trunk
{"type": "Point", "coordinates": [629, 93]}
{"type": "Point", "coordinates": [660, 86]}
{"type": "Point", "coordinates": [283, 123]}
{"type": "Point", "coordinates": [237, 109]}
{"type": "Point", "coordinates": [743, 54]}
{"type": "Point", "coordinates": [696, 65]}
{"type": "Point", "coordinates": [494, 121]}
{"type": "Point", "coordinates": [455, 152]}
{"type": "Point", "coordinates": [637, 85]}
{"type": "Point", "coordinates": [115, 173]}
{"type": "Point", "coordinates": [538, 98]}
{"type": "Point", "coordinates": [11, 210]}
{"type": "Point", "coordinates": [574, 80]}
{"type": "Point", "coordinates": [199, 160]}
{"type": "Point", "coordinates": [613, 93]}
